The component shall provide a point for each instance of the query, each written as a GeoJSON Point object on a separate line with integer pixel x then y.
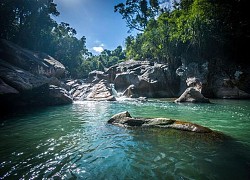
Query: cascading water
{"type": "Point", "coordinates": [118, 95]}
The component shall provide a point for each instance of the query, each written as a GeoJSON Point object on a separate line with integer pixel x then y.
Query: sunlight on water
{"type": "Point", "coordinates": [75, 142]}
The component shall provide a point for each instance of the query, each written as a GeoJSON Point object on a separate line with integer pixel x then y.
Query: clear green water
{"type": "Point", "coordinates": [74, 142]}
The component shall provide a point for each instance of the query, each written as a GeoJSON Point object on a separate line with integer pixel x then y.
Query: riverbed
{"type": "Point", "coordinates": [75, 141]}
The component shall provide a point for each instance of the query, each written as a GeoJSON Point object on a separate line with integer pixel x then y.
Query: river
{"type": "Point", "coordinates": [75, 142]}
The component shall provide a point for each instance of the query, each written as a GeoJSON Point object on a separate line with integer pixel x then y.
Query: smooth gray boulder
{"type": "Point", "coordinates": [226, 88]}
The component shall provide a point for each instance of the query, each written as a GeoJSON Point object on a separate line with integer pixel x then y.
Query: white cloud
{"type": "Point", "coordinates": [98, 49]}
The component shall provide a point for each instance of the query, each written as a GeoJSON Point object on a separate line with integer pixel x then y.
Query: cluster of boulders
{"type": "Point", "coordinates": [132, 79]}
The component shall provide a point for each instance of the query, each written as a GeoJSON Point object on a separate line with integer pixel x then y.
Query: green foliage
{"type": "Point", "coordinates": [101, 62]}
{"type": "Point", "coordinates": [137, 13]}
{"type": "Point", "coordinates": [194, 30]}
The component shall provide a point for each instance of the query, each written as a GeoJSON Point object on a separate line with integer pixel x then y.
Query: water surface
{"type": "Point", "coordinates": [74, 141]}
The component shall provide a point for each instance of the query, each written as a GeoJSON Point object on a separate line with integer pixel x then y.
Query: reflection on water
{"type": "Point", "coordinates": [75, 142]}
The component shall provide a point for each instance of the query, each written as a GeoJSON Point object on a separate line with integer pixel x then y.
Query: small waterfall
{"type": "Point", "coordinates": [118, 95]}
{"type": "Point", "coordinates": [114, 92]}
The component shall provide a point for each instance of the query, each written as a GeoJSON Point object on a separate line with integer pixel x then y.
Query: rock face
{"type": "Point", "coordinates": [218, 80]}
{"type": "Point", "coordinates": [96, 76]}
{"type": "Point", "coordinates": [142, 78]}
{"type": "Point", "coordinates": [124, 119]}
{"type": "Point", "coordinates": [33, 62]}
{"type": "Point", "coordinates": [227, 88]}
{"type": "Point", "coordinates": [25, 78]}
{"type": "Point", "coordinates": [193, 93]}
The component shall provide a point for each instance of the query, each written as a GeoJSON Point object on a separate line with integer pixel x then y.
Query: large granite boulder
{"type": "Point", "coordinates": [96, 76]}
{"type": "Point", "coordinates": [19, 87]}
{"type": "Point", "coordinates": [33, 62]}
{"type": "Point", "coordinates": [218, 80]}
{"type": "Point", "coordinates": [20, 79]}
{"type": "Point", "coordinates": [25, 78]}
{"type": "Point", "coordinates": [6, 89]}
{"type": "Point", "coordinates": [144, 78]}
{"type": "Point", "coordinates": [58, 96]}
{"type": "Point", "coordinates": [187, 72]}
{"type": "Point", "coordinates": [124, 80]}
{"type": "Point", "coordinates": [57, 68]}
{"type": "Point", "coordinates": [124, 119]}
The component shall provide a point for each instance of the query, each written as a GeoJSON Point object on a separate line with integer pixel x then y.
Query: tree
{"type": "Point", "coordinates": [137, 13]}
{"type": "Point", "coordinates": [27, 22]}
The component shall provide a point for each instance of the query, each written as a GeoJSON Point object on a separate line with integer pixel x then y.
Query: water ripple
{"type": "Point", "coordinates": [76, 142]}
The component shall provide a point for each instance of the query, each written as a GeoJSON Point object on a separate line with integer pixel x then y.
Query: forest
{"type": "Point", "coordinates": [214, 31]}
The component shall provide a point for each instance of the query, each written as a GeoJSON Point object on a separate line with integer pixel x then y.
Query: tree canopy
{"type": "Point", "coordinates": [192, 30]}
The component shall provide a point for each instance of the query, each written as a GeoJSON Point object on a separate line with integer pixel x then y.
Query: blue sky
{"type": "Point", "coordinates": [96, 20]}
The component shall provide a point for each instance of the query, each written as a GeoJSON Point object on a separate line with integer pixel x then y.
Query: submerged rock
{"type": "Point", "coordinates": [124, 119]}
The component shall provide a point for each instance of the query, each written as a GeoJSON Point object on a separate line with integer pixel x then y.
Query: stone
{"type": "Point", "coordinates": [20, 79]}
{"type": "Point", "coordinates": [192, 95]}
{"type": "Point", "coordinates": [124, 119]}
{"type": "Point", "coordinates": [33, 62]}
{"type": "Point", "coordinates": [25, 78]}
{"type": "Point", "coordinates": [129, 92]}
{"type": "Point", "coordinates": [6, 89]}
{"type": "Point", "coordinates": [117, 117]}
{"type": "Point", "coordinates": [124, 80]}
{"type": "Point", "coordinates": [231, 93]}
{"type": "Point", "coordinates": [59, 69]}
{"type": "Point", "coordinates": [144, 78]}
{"type": "Point", "coordinates": [95, 76]}
{"type": "Point", "coordinates": [59, 96]}
{"type": "Point", "coordinates": [101, 91]}
{"type": "Point", "coordinates": [226, 88]}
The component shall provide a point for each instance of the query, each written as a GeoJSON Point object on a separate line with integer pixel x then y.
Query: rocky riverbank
{"type": "Point", "coordinates": [30, 79]}
{"type": "Point", "coordinates": [36, 79]}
